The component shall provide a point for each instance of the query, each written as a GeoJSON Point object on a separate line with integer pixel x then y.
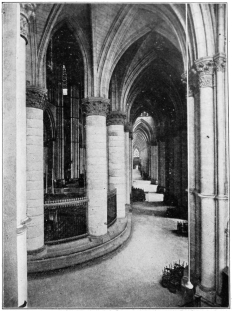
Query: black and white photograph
{"type": "Point", "coordinates": [115, 155]}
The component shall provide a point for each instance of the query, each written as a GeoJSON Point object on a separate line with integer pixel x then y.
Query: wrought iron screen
{"type": "Point", "coordinates": [111, 207]}
{"type": "Point", "coordinates": [65, 220]}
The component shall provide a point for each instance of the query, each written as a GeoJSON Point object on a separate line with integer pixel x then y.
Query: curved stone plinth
{"type": "Point", "coordinates": [83, 250]}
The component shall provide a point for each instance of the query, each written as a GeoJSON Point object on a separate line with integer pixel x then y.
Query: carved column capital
{"type": "Point", "coordinates": [96, 106]}
{"type": "Point", "coordinates": [205, 69]}
{"type": "Point", "coordinates": [116, 118]}
{"type": "Point", "coordinates": [220, 62]}
{"type": "Point", "coordinates": [36, 97]}
{"type": "Point", "coordinates": [192, 82]}
{"type": "Point", "coordinates": [154, 142]}
{"type": "Point", "coordinates": [26, 11]}
{"type": "Point", "coordinates": [184, 77]}
{"type": "Point", "coordinates": [128, 127]}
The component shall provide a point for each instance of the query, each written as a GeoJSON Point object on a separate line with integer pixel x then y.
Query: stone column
{"type": "Point", "coordinates": [25, 14]}
{"type": "Point", "coordinates": [15, 31]}
{"type": "Point", "coordinates": [11, 38]}
{"type": "Point", "coordinates": [96, 164]}
{"type": "Point", "coordinates": [222, 195]}
{"type": "Point", "coordinates": [74, 133]}
{"type": "Point", "coordinates": [204, 67]}
{"type": "Point", "coordinates": [127, 161]}
{"type": "Point", "coordinates": [154, 160]}
{"type": "Point", "coordinates": [197, 186]}
{"type": "Point", "coordinates": [36, 100]}
{"type": "Point", "coordinates": [184, 167]}
{"type": "Point", "coordinates": [131, 158]}
{"type": "Point", "coordinates": [177, 168]}
{"type": "Point", "coordinates": [162, 179]}
{"type": "Point", "coordinates": [191, 180]}
{"type": "Point", "coordinates": [115, 123]}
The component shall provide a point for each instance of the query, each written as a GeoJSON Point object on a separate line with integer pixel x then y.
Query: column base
{"type": "Point", "coordinates": [100, 239]}
{"type": "Point", "coordinates": [128, 208]}
{"type": "Point", "coordinates": [207, 295]}
{"type": "Point", "coordinates": [37, 253]}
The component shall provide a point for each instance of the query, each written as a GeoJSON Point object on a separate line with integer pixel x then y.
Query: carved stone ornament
{"type": "Point", "coordinates": [96, 106]}
{"type": "Point", "coordinates": [192, 82]}
{"type": "Point", "coordinates": [36, 97]}
{"type": "Point", "coordinates": [220, 62]}
{"type": "Point", "coordinates": [205, 69]}
{"type": "Point", "coordinates": [116, 118]}
{"type": "Point", "coordinates": [26, 11]}
{"type": "Point", "coordinates": [128, 127]}
{"type": "Point", "coordinates": [184, 78]}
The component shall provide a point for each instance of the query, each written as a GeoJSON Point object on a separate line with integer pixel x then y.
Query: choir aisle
{"type": "Point", "coordinates": [136, 174]}
{"type": "Point", "coordinates": [127, 278]}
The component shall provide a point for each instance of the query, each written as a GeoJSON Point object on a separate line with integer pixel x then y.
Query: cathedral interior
{"type": "Point", "coordinates": [100, 100]}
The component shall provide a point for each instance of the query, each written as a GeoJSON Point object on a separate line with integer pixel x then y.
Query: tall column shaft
{"type": "Point", "coordinates": [21, 160]}
{"type": "Point", "coordinates": [154, 160]}
{"type": "Point", "coordinates": [127, 162]}
{"type": "Point", "coordinates": [222, 195]}
{"type": "Point", "coordinates": [22, 219]}
{"type": "Point", "coordinates": [115, 123]}
{"type": "Point", "coordinates": [184, 168]}
{"type": "Point", "coordinates": [96, 164]}
{"type": "Point", "coordinates": [131, 159]}
{"type": "Point", "coordinates": [11, 37]}
{"type": "Point", "coordinates": [162, 179]}
{"type": "Point", "coordinates": [207, 176]}
{"type": "Point", "coordinates": [35, 189]}
{"type": "Point", "coordinates": [177, 168]}
{"type": "Point", "coordinates": [191, 181]}
{"type": "Point", "coordinates": [197, 185]}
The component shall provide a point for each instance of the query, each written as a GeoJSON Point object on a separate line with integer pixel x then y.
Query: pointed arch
{"type": "Point", "coordinates": [83, 44]}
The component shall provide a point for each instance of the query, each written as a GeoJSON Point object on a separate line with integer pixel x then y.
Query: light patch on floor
{"type": "Point", "coordinates": [129, 278]}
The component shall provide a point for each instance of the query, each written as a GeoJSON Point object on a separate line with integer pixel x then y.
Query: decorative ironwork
{"type": "Point", "coordinates": [65, 220]}
{"type": "Point", "coordinates": [172, 276]}
{"type": "Point", "coordinates": [111, 207]}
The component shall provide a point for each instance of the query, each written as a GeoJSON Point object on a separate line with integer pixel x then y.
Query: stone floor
{"type": "Point", "coordinates": [127, 278]}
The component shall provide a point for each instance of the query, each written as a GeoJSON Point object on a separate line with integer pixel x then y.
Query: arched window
{"type": "Point", "coordinates": [65, 84]}
{"type": "Point", "coordinates": [136, 153]}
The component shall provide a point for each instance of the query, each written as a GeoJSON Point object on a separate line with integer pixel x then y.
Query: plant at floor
{"type": "Point", "coordinates": [172, 276]}
{"type": "Point", "coordinates": [182, 228]}
{"type": "Point", "coordinates": [138, 195]}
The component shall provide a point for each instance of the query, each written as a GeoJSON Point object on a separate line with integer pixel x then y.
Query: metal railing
{"type": "Point", "coordinates": [65, 220]}
{"type": "Point", "coordinates": [111, 207]}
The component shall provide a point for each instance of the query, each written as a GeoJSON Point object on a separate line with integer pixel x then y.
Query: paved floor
{"type": "Point", "coordinates": [129, 278]}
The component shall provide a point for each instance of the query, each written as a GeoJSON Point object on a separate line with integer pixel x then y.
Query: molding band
{"type": "Point", "coordinates": [206, 196]}
{"type": "Point", "coordinates": [221, 197]}
{"type": "Point", "coordinates": [37, 251]}
{"type": "Point", "coordinates": [21, 229]}
{"type": "Point", "coordinates": [206, 289]}
{"type": "Point", "coordinates": [96, 106]}
{"type": "Point", "coordinates": [36, 97]}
